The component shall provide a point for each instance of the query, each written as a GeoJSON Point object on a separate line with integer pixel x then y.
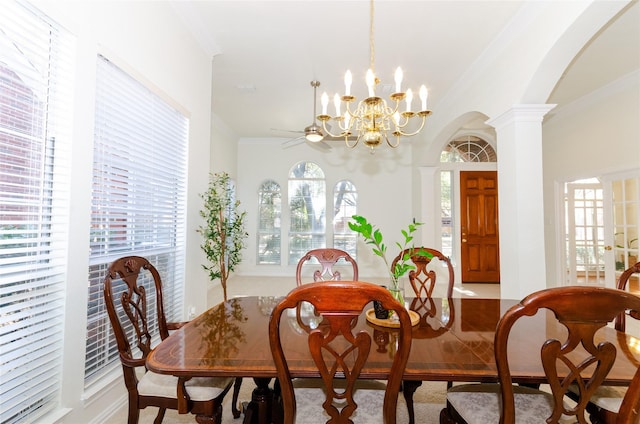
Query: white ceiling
{"type": "Point", "coordinates": [267, 52]}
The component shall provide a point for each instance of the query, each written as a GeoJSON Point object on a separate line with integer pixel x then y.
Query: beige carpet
{"type": "Point", "coordinates": [429, 399]}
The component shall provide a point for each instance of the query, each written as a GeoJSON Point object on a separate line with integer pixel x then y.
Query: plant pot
{"type": "Point", "coordinates": [380, 312]}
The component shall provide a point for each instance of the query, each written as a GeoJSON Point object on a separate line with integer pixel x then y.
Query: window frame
{"type": "Point", "coordinates": [138, 201]}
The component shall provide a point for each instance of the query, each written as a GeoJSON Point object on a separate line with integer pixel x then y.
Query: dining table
{"type": "Point", "coordinates": [451, 341]}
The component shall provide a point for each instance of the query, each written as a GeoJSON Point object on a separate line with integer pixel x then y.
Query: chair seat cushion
{"type": "Point", "coordinates": [368, 395]}
{"type": "Point", "coordinates": [480, 404]}
{"type": "Point", "coordinates": [198, 388]}
{"type": "Point", "coordinates": [606, 397]}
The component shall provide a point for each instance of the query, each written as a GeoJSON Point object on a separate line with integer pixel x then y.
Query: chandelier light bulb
{"type": "Point", "coordinates": [325, 102]}
{"type": "Point", "coordinates": [348, 79]}
{"type": "Point", "coordinates": [371, 82]}
{"type": "Point", "coordinates": [423, 97]}
{"type": "Point", "coordinates": [398, 79]}
{"type": "Point", "coordinates": [409, 99]}
{"type": "Point", "coordinates": [336, 102]}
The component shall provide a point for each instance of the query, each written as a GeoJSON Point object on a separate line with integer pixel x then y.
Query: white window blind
{"type": "Point", "coordinates": [35, 89]}
{"type": "Point", "coordinates": [138, 200]}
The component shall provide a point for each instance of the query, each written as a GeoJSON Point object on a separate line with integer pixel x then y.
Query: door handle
{"type": "Point", "coordinates": [608, 247]}
{"type": "Point", "coordinates": [464, 240]}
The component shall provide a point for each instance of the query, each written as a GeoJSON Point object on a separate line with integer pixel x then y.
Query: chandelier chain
{"type": "Point", "coordinates": [372, 47]}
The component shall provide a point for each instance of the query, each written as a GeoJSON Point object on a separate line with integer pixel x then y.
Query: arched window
{"type": "Point", "coordinates": [345, 202]}
{"type": "Point", "coordinates": [468, 149]}
{"type": "Point", "coordinates": [307, 206]}
{"type": "Point", "coordinates": [269, 214]}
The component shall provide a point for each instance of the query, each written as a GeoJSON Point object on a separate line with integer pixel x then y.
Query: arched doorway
{"type": "Point", "coordinates": [469, 208]}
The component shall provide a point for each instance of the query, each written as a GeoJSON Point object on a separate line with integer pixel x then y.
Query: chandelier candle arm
{"type": "Point", "coordinates": [373, 119]}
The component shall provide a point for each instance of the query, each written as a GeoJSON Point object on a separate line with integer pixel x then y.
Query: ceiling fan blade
{"type": "Point", "coordinates": [332, 138]}
{"type": "Point", "coordinates": [320, 145]}
{"type": "Point", "coordinates": [293, 142]}
{"type": "Point", "coordinates": [287, 131]}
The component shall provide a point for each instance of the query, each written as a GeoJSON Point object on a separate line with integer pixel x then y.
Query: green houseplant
{"type": "Point", "coordinates": [223, 231]}
{"type": "Point", "coordinates": [373, 237]}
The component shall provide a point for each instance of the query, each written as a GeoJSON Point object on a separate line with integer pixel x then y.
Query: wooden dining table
{"type": "Point", "coordinates": [453, 341]}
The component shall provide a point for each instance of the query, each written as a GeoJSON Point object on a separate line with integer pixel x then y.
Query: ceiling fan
{"type": "Point", "coordinates": [313, 134]}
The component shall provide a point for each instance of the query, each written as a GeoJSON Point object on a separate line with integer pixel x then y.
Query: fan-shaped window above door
{"type": "Point", "coordinates": [468, 149]}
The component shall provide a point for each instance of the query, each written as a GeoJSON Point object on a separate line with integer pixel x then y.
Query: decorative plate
{"type": "Point", "coordinates": [371, 317]}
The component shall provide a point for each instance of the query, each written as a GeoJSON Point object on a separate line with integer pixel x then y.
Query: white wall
{"type": "Point", "coordinates": [383, 181]}
{"type": "Point", "coordinates": [596, 135]}
{"type": "Point", "coordinates": [146, 40]}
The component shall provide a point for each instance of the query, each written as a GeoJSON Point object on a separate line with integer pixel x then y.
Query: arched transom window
{"type": "Point", "coordinates": [468, 149]}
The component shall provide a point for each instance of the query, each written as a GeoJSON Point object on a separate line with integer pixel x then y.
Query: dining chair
{"type": "Point", "coordinates": [339, 355]}
{"type": "Point", "coordinates": [605, 402]}
{"type": "Point", "coordinates": [327, 258]}
{"type": "Point", "coordinates": [423, 280]}
{"type": "Point", "coordinates": [580, 359]}
{"type": "Point", "coordinates": [133, 298]}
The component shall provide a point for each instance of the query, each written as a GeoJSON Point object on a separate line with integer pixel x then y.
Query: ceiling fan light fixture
{"type": "Point", "coordinates": [313, 134]}
{"type": "Point", "coordinates": [314, 138]}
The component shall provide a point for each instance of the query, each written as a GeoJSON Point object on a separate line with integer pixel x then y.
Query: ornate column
{"type": "Point", "coordinates": [520, 200]}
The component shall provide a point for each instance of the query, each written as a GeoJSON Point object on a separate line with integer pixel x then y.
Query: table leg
{"type": "Point", "coordinates": [408, 389]}
{"type": "Point", "coordinates": [258, 411]}
{"type": "Point", "coordinates": [234, 400]}
{"type": "Point", "coordinates": [208, 419]}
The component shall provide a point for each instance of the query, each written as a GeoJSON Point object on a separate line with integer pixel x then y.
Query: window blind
{"type": "Point", "coordinates": [138, 200]}
{"type": "Point", "coordinates": [35, 76]}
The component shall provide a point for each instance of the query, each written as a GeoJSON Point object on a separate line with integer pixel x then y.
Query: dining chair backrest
{"type": "Point", "coordinates": [629, 412]}
{"type": "Point", "coordinates": [583, 311]}
{"type": "Point", "coordinates": [133, 297]}
{"type": "Point", "coordinates": [337, 352]}
{"type": "Point", "coordinates": [130, 283]}
{"type": "Point", "coordinates": [623, 284]}
{"type": "Point", "coordinates": [327, 258]}
{"type": "Point", "coordinates": [422, 278]}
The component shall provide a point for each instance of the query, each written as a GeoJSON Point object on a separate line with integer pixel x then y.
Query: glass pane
{"type": "Point", "coordinates": [307, 206]}
{"type": "Point", "coordinates": [269, 248]}
{"type": "Point", "coordinates": [269, 218]}
{"type": "Point", "coordinates": [345, 199]}
{"type": "Point", "coordinates": [446, 207]}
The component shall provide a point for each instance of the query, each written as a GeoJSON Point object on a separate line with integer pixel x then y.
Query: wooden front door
{"type": "Point", "coordinates": [479, 227]}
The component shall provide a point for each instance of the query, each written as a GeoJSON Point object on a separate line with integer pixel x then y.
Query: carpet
{"type": "Point", "coordinates": [429, 399]}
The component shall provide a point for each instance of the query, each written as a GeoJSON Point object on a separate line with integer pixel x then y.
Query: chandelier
{"type": "Point", "coordinates": [373, 120]}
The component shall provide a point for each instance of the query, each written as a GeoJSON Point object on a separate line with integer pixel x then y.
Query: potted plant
{"type": "Point", "coordinates": [373, 237]}
{"type": "Point", "coordinates": [223, 231]}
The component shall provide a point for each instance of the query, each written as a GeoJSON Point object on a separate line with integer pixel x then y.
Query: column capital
{"type": "Point", "coordinates": [521, 113]}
